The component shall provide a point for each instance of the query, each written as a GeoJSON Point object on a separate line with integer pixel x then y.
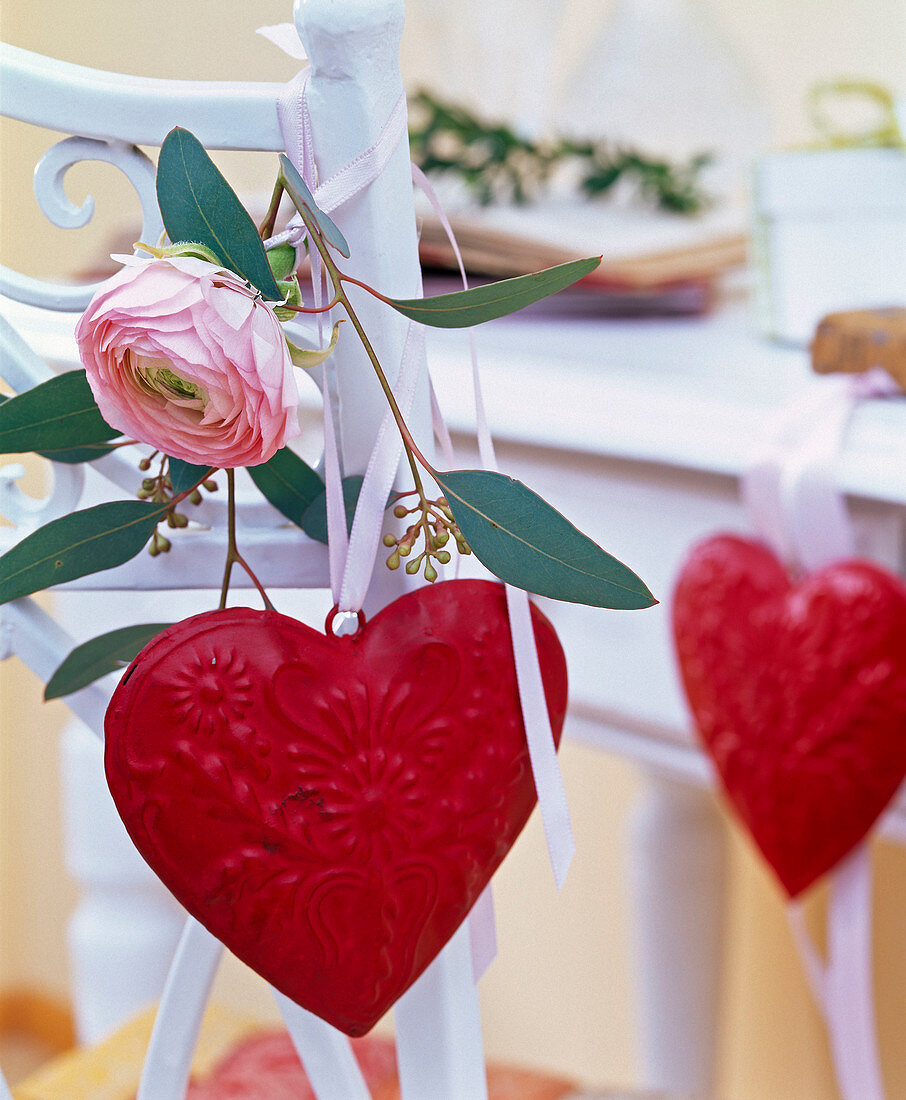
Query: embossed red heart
{"type": "Point", "coordinates": [799, 694]}
{"type": "Point", "coordinates": [331, 807]}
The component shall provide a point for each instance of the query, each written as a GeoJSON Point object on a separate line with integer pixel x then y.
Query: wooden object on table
{"type": "Point", "coordinates": [856, 341]}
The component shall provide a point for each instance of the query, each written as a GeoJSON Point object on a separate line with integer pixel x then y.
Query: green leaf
{"type": "Point", "coordinates": [529, 544]}
{"type": "Point", "coordinates": [312, 357]}
{"type": "Point", "coordinates": [288, 483]}
{"type": "Point", "coordinates": [107, 653]}
{"type": "Point", "coordinates": [183, 475]}
{"type": "Point", "coordinates": [197, 204]}
{"type": "Point", "coordinates": [76, 545]}
{"type": "Point", "coordinates": [298, 191]}
{"type": "Point", "coordinates": [314, 522]}
{"type": "Point", "coordinates": [281, 260]}
{"type": "Point", "coordinates": [71, 456]}
{"type": "Point", "coordinates": [57, 418]}
{"type": "Point", "coordinates": [465, 308]}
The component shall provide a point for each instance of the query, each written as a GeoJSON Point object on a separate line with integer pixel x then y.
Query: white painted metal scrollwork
{"type": "Point", "coordinates": [56, 205]}
{"type": "Point", "coordinates": [28, 512]}
{"type": "Point", "coordinates": [22, 369]}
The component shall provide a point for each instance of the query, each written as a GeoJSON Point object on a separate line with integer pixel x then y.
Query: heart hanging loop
{"type": "Point", "coordinates": [343, 624]}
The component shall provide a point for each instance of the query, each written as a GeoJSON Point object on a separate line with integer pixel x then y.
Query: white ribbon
{"type": "Point", "coordinates": [551, 792]}
{"type": "Point", "coordinates": [793, 500]}
{"type": "Point", "coordinates": [790, 491]}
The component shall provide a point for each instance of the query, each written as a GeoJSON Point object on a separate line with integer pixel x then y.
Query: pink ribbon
{"type": "Point", "coordinates": [793, 500]}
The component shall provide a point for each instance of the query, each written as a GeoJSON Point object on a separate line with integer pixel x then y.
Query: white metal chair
{"type": "Point", "coordinates": [126, 927]}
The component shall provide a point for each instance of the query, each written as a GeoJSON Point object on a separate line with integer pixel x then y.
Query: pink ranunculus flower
{"type": "Point", "coordinates": [183, 355]}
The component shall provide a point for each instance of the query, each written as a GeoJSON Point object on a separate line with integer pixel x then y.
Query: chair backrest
{"type": "Point", "coordinates": [353, 88]}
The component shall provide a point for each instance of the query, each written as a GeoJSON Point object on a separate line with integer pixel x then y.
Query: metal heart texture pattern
{"type": "Point", "coordinates": [331, 807]}
{"type": "Point", "coordinates": [799, 695]}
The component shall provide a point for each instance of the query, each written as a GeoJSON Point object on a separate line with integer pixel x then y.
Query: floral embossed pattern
{"type": "Point", "coordinates": [331, 807]}
{"type": "Point", "coordinates": [799, 695]}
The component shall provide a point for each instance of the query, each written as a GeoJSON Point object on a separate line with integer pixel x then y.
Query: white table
{"type": "Point", "coordinates": [638, 430]}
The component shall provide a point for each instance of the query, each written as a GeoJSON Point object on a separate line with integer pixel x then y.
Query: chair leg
{"type": "Point", "coordinates": [125, 928]}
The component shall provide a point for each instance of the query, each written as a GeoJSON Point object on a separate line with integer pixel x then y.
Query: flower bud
{"type": "Point", "coordinates": [210, 485]}
{"type": "Point", "coordinates": [412, 566]}
{"type": "Point", "coordinates": [430, 572]}
{"type": "Point", "coordinates": [443, 557]}
{"type": "Point", "coordinates": [393, 562]}
{"type": "Point", "coordinates": [401, 511]}
{"type": "Point", "coordinates": [389, 540]}
{"type": "Point", "coordinates": [145, 464]}
{"type": "Point", "coordinates": [148, 484]}
{"type": "Point", "coordinates": [195, 497]}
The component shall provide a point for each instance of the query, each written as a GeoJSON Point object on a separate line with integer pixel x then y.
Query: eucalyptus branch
{"type": "Point", "coordinates": [435, 521]}
{"type": "Point", "coordinates": [159, 490]}
{"type": "Point", "coordinates": [311, 309]}
{"type": "Point", "coordinates": [270, 218]}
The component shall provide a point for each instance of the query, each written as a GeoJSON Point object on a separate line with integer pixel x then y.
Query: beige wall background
{"type": "Point", "coordinates": [560, 993]}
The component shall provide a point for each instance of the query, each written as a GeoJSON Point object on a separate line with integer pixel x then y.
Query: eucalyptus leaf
{"type": "Point", "coordinates": [298, 191]}
{"type": "Point", "coordinates": [183, 475]}
{"type": "Point", "coordinates": [529, 544]}
{"type": "Point", "coordinates": [288, 483]}
{"type": "Point", "coordinates": [313, 357]}
{"type": "Point", "coordinates": [465, 308]}
{"type": "Point", "coordinates": [314, 522]}
{"type": "Point", "coordinates": [76, 545]}
{"type": "Point", "coordinates": [58, 418]}
{"type": "Point", "coordinates": [107, 653]}
{"type": "Point", "coordinates": [72, 456]}
{"type": "Point", "coordinates": [197, 204]}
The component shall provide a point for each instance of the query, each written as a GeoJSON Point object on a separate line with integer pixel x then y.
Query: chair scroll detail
{"type": "Point", "coordinates": [53, 201]}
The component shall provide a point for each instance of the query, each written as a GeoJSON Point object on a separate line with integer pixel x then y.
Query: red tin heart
{"type": "Point", "coordinates": [799, 694]}
{"type": "Point", "coordinates": [331, 807]}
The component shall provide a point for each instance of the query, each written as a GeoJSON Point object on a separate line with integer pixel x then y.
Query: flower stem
{"type": "Point", "coordinates": [270, 218]}
{"type": "Point", "coordinates": [233, 555]}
